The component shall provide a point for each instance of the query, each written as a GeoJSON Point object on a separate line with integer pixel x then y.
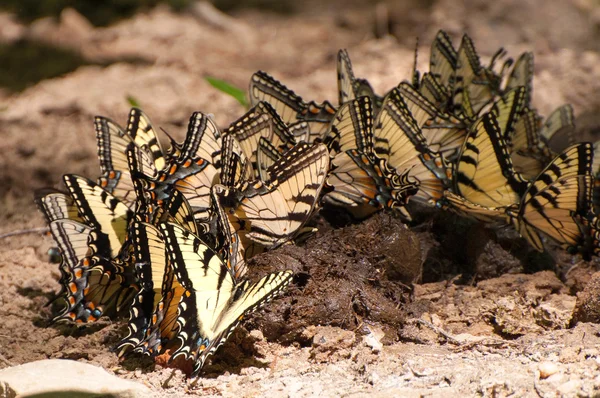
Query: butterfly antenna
{"type": "Point", "coordinates": [416, 75]}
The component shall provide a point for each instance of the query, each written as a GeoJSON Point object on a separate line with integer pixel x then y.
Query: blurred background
{"type": "Point", "coordinates": [64, 61]}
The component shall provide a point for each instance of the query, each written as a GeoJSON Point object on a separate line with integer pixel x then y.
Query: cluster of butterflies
{"type": "Point", "coordinates": [166, 234]}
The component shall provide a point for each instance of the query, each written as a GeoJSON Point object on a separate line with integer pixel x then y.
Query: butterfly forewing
{"type": "Point", "coordinates": [278, 208]}
{"type": "Point", "coordinates": [508, 110]}
{"type": "Point", "coordinates": [484, 173]}
{"type": "Point", "coordinates": [99, 209]}
{"type": "Point", "coordinates": [444, 133]}
{"type": "Point", "coordinates": [287, 104]}
{"type": "Point", "coordinates": [143, 134]}
{"type": "Point", "coordinates": [345, 77]}
{"type": "Point", "coordinates": [522, 75]}
{"type": "Point", "coordinates": [266, 155]}
{"type": "Point", "coordinates": [203, 139]}
{"type": "Point", "coordinates": [352, 127]}
{"type": "Point", "coordinates": [56, 205]}
{"type": "Point", "coordinates": [151, 263]}
{"type": "Point", "coordinates": [399, 140]}
{"type": "Point", "coordinates": [443, 58]}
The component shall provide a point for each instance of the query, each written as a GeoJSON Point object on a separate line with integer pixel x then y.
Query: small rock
{"type": "Point", "coordinates": [373, 339]}
{"type": "Point", "coordinates": [257, 335]}
{"type": "Point", "coordinates": [547, 369]}
{"type": "Point", "coordinates": [54, 377]}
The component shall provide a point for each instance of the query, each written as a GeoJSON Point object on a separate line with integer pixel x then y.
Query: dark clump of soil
{"type": "Point", "coordinates": [587, 308]}
{"type": "Point", "coordinates": [363, 271]}
{"type": "Point", "coordinates": [367, 271]}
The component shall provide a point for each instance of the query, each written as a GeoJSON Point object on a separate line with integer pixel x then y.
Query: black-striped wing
{"type": "Point", "coordinates": [443, 59]}
{"type": "Point", "coordinates": [555, 202]}
{"type": "Point", "coordinates": [434, 92]}
{"type": "Point", "coordinates": [72, 239]}
{"type": "Point", "coordinates": [475, 85]}
{"type": "Point", "coordinates": [444, 133]}
{"type": "Point", "coordinates": [97, 285]}
{"type": "Point", "coordinates": [558, 129]}
{"type": "Point", "coordinates": [273, 211]}
{"type": "Point", "coordinates": [364, 184]}
{"type": "Point", "coordinates": [260, 121]}
{"type": "Point", "coordinates": [349, 87]}
{"type": "Point", "coordinates": [147, 309]}
{"type": "Point", "coordinates": [352, 127]}
{"type": "Point", "coordinates": [212, 302]}
{"type": "Point", "coordinates": [235, 249]}
{"type": "Point", "coordinates": [56, 205]}
{"type": "Point", "coordinates": [178, 210]}
{"type": "Point", "coordinates": [100, 210]}
{"type": "Point", "coordinates": [508, 109]}
{"type": "Point", "coordinates": [357, 176]}
{"type": "Point", "coordinates": [144, 135]}
{"type": "Point", "coordinates": [266, 155]}
{"type": "Point", "coordinates": [398, 139]}
{"type": "Point", "coordinates": [202, 140]}
{"type": "Point", "coordinates": [522, 75]}
{"type": "Point", "coordinates": [237, 168]}
{"type": "Point", "coordinates": [289, 106]}
{"type": "Point", "coordinates": [345, 78]}
{"type": "Point", "coordinates": [112, 143]}
{"type": "Point", "coordinates": [484, 172]}
{"type": "Point", "coordinates": [196, 169]}
{"type": "Point", "coordinates": [153, 315]}
{"type": "Point", "coordinates": [528, 153]}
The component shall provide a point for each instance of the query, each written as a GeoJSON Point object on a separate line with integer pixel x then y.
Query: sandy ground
{"type": "Point", "coordinates": [491, 334]}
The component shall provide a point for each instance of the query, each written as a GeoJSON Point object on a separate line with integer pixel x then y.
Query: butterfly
{"type": "Point", "coordinates": [398, 139]}
{"type": "Point", "coordinates": [99, 281]}
{"type": "Point", "coordinates": [262, 121]}
{"type": "Point", "coordinates": [273, 211]}
{"type": "Point", "coordinates": [474, 85]}
{"type": "Point", "coordinates": [149, 332]}
{"type": "Point", "coordinates": [289, 106]}
{"type": "Point", "coordinates": [443, 132]}
{"type": "Point", "coordinates": [521, 75]}
{"type": "Point", "coordinates": [443, 61]}
{"type": "Point", "coordinates": [211, 301]}
{"type": "Point", "coordinates": [148, 328]}
{"type": "Point", "coordinates": [508, 109]}
{"type": "Point", "coordinates": [193, 172]}
{"type": "Point", "coordinates": [89, 282]}
{"type": "Point", "coordinates": [349, 87]}
{"type": "Point", "coordinates": [559, 128]}
{"type": "Point", "coordinates": [483, 172]}
{"type": "Point", "coordinates": [488, 188]}
{"type": "Point", "coordinates": [360, 179]}
{"type": "Point", "coordinates": [266, 155]}
{"type": "Point", "coordinates": [112, 142]}
{"type": "Point", "coordinates": [528, 152]}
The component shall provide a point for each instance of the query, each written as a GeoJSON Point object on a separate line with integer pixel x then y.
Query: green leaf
{"type": "Point", "coordinates": [133, 101]}
{"type": "Point", "coordinates": [235, 92]}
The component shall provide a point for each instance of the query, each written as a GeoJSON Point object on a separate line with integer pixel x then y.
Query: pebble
{"type": "Point", "coordinates": [547, 369]}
